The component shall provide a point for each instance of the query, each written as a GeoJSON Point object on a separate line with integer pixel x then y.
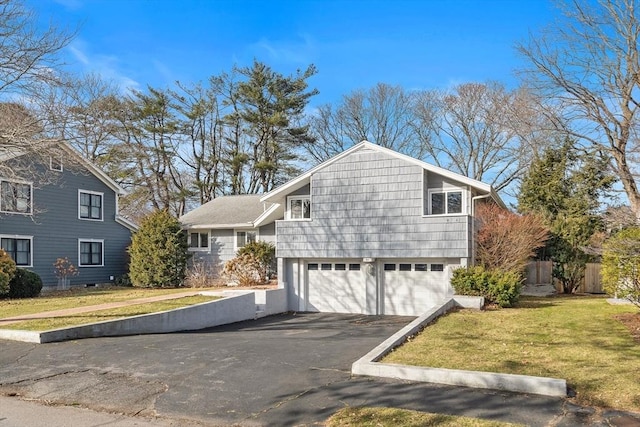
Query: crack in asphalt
{"type": "Point", "coordinates": [295, 397]}
{"type": "Point", "coordinates": [46, 377]}
{"type": "Point", "coordinates": [27, 353]}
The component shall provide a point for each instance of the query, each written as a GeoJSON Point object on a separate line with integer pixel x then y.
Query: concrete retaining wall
{"type": "Point", "coordinates": [272, 301]}
{"type": "Point", "coordinates": [369, 365]}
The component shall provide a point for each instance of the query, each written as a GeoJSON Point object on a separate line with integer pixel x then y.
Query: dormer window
{"type": "Point", "coordinates": [448, 202]}
{"type": "Point", "coordinates": [299, 207]}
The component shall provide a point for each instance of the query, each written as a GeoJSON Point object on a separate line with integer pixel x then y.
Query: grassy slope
{"type": "Point", "coordinates": [576, 338]}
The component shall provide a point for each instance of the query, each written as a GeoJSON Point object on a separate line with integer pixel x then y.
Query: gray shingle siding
{"type": "Point", "coordinates": [370, 204]}
{"type": "Point", "coordinates": [56, 228]}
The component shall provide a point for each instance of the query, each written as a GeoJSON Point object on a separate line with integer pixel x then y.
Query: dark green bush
{"type": "Point", "coordinates": [124, 281]}
{"type": "Point", "coordinates": [499, 287]}
{"type": "Point", "coordinates": [158, 252]}
{"type": "Point", "coordinates": [25, 284]}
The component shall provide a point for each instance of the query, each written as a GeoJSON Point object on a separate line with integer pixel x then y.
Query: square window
{"type": "Point", "coordinates": [405, 267]}
{"type": "Point", "coordinates": [312, 266]}
{"type": "Point", "coordinates": [354, 267]}
{"type": "Point", "coordinates": [446, 202]}
{"type": "Point", "coordinates": [340, 267]}
{"type": "Point", "coordinates": [244, 237]}
{"type": "Point", "coordinates": [300, 207]}
{"type": "Point", "coordinates": [437, 267]}
{"type": "Point", "coordinates": [15, 197]}
{"type": "Point", "coordinates": [55, 164]}
{"type": "Point", "coordinates": [420, 267]}
{"type": "Point", "coordinates": [19, 249]}
{"type": "Point", "coordinates": [91, 253]}
{"type": "Point", "coordinates": [325, 266]}
{"type": "Point", "coordinates": [389, 267]}
{"type": "Point", "coordinates": [90, 205]}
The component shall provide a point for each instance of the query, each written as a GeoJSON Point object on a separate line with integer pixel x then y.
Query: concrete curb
{"type": "Point", "coordinates": [369, 365]}
{"type": "Point", "coordinates": [234, 307]}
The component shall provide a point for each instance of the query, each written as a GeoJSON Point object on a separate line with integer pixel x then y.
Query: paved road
{"type": "Point", "coordinates": [279, 370]}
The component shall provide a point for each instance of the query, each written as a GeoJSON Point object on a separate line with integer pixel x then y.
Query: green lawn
{"type": "Point", "coordinates": [377, 417]}
{"type": "Point", "coordinates": [110, 314]}
{"type": "Point", "coordinates": [78, 297]}
{"type": "Point", "coordinates": [575, 338]}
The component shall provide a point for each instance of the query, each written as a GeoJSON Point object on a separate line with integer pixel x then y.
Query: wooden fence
{"type": "Point", "coordinates": [540, 273]}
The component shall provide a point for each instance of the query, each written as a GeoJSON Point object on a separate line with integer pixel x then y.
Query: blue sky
{"type": "Point", "coordinates": [354, 43]}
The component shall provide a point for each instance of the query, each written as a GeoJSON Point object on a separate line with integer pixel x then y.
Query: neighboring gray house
{"type": "Point", "coordinates": [368, 231]}
{"type": "Point", "coordinates": [217, 229]}
{"type": "Point", "coordinates": [74, 216]}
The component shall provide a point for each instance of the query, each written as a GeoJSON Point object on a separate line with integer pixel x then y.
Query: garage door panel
{"type": "Point", "coordinates": [335, 287]}
{"type": "Point", "coordinates": [411, 287]}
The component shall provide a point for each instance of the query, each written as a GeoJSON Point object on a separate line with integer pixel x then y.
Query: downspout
{"type": "Point", "coordinates": [473, 225]}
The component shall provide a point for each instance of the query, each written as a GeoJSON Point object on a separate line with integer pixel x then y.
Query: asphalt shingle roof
{"type": "Point", "coordinates": [225, 210]}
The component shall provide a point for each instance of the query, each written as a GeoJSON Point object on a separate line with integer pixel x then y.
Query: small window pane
{"type": "Point", "coordinates": [389, 267]}
{"type": "Point", "coordinates": [437, 203]}
{"type": "Point", "coordinates": [251, 236]}
{"type": "Point", "coordinates": [354, 267]}
{"type": "Point", "coordinates": [241, 238]}
{"type": "Point", "coordinates": [300, 208]}
{"type": "Point", "coordinates": [340, 267]}
{"type": "Point", "coordinates": [437, 267]}
{"type": "Point", "coordinates": [204, 240]}
{"type": "Point", "coordinates": [193, 240]}
{"type": "Point", "coordinates": [325, 266]}
{"type": "Point", "coordinates": [421, 267]}
{"type": "Point", "coordinates": [405, 267]}
{"type": "Point", "coordinates": [312, 266]}
{"type": "Point", "coordinates": [454, 202]}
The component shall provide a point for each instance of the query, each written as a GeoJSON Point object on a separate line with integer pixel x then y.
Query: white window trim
{"type": "Point", "coordinates": [51, 164]}
{"type": "Point", "coordinates": [235, 236]}
{"type": "Point", "coordinates": [17, 181]}
{"type": "Point", "coordinates": [298, 197]}
{"type": "Point", "coordinates": [80, 191]}
{"type": "Point", "coordinates": [90, 241]}
{"type": "Point", "coordinates": [199, 249]}
{"type": "Point", "coordinates": [17, 236]}
{"type": "Point", "coordinates": [445, 191]}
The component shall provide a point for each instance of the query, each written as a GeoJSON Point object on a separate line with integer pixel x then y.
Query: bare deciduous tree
{"type": "Point", "coordinates": [588, 66]}
{"type": "Point", "coordinates": [381, 115]}
{"type": "Point", "coordinates": [475, 129]}
{"type": "Point", "coordinates": [28, 62]}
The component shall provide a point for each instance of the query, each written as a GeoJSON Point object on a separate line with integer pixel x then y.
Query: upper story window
{"type": "Point", "coordinates": [198, 240]}
{"type": "Point", "coordinates": [299, 207]}
{"type": "Point", "coordinates": [445, 202]}
{"type": "Point", "coordinates": [55, 164]}
{"type": "Point", "coordinates": [245, 236]}
{"type": "Point", "coordinates": [90, 205]}
{"type": "Point", "coordinates": [15, 197]}
{"type": "Point", "coordinates": [18, 248]}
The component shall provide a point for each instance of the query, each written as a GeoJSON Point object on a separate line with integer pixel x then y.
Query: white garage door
{"type": "Point", "coordinates": [335, 286]}
{"type": "Point", "coordinates": [411, 287]}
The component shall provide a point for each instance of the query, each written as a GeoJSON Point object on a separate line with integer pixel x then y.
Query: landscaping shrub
{"type": "Point", "coordinates": [621, 265]}
{"type": "Point", "coordinates": [158, 252]}
{"type": "Point", "coordinates": [7, 271]}
{"type": "Point", "coordinates": [245, 270]}
{"type": "Point", "coordinates": [124, 281]}
{"type": "Point", "coordinates": [264, 252]}
{"type": "Point", "coordinates": [501, 288]}
{"type": "Point", "coordinates": [25, 284]}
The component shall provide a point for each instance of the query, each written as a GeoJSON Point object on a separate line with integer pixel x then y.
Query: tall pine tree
{"type": "Point", "coordinates": [565, 186]}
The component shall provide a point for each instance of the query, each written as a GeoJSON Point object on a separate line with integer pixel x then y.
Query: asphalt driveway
{"type": "Point", "coordinates": [279, 370]}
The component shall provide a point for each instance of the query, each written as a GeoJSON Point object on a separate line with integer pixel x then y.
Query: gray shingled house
{"type": "Point", "coordinates": [368, 231]}
{"type": "Point", "coordinates": [73, 215]}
